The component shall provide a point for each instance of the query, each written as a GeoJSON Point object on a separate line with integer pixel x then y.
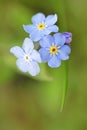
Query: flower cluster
{"type": "Point", "coordinates": [53, 45]}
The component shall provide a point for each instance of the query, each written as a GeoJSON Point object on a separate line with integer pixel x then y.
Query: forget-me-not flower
{"type": "Point", "coordinates": [53, 49]}
{"type": "Point", "coordinates": [27, 57]}
{"type": "Point", "coordinates": [41, 26]}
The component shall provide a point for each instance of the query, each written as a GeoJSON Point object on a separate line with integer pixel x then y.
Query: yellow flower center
{"type": "Point", "coordinates": [41, 26]}
{"type": "Point", "coordinates": [53, 50]}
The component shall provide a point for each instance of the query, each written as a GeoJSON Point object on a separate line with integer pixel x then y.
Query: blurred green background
{"type": "Point", "coordinates": [28, 103]}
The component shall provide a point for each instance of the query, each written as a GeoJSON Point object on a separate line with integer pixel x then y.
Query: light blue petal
{"type": "Point", "coordinates": [29, 28]}
{"type": "Point", "coordinates": [59, 39]}
{"type": "Point", "coordinates": [35, 56]}
{"type": "Point", "coordinates": [33, 68]}
{"type": "Point", "coordinates": [46, 31]}
{"type": "Point", "coordinates": [54, 61]}
{"type": "Point", "coordinates": [38, 18]}
{"type": "Point", "coordinates": [46, 41]}
{"type": "Point", "coordinates": [36, 35]}
{"type": "Point", "coordinates": [17, 51]}
{"type": "Point", "coordinates": [66, 49]}
{"type": "Point", "coordinates": [53, 28]}
{"type": "Point", "coordinates": [44, 53]}
{"type": "Point", "coordinates": [22, 65]}
{"type": "Point", "coordinates": [63, 55]}
{"type": "Point", "coordinates": [28, 45]}
{"type": "Point", "coordinates": [50, 29]}
{"type": "Point", "coordinates": [51, 19]}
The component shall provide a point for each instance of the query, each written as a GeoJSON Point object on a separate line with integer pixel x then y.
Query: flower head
{"type": "Point", "coordinates": [27, 57]}
{"type": "Point", "coordinates": [53, 49]}
{"type": "Point", "coordinates": [41, 26]}
{"type": "Point", "coordinates": [68, 36]}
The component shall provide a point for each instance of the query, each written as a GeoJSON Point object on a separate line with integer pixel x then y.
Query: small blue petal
{"type": "Point", "coordinates": [59, 39]}
{"type": "Point", "coordinates": [46, 41]}
{"type": "Point", "coordinates": [22, 65]}
{"type": "Point", "coordinates": [36, 35]}
{"type": "Point", "coordinates": [53, 28]}
{"type": "Point", "coordinates": [44, 53]}
{"type": "Point", "coordinates": [33, 68]}
{"type": "Point", "coordinates": [66, 49]}
{"type": "Point", "coordinates": [29, 28]}
{"type": "Point", "coordinates": [35, 56]}
{"type": "Point", "coordinates": [51, 19]}
{"type": "Point", "coordinates": [54, 61]}
{"type": "Point", "coordinates": [63, 56]}
{"type": "Point", "coordinates": [17, 51]}
{"type": "Point", "coordinates": [38, 18]}
{"type": "Point", "coordinates": [46, 31]}
{"type": "Point", "coordinates": [27, 45]}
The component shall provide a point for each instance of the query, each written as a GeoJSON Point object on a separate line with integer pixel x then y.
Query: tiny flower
{"type": "Point", "coordinates": [27, 57]}
{"type": "Point", "coordinates": [53, 49]}
{"type": "Point", "coordinates": [41, 26]}
{"type": "Point", "coordinates": [68, 36]}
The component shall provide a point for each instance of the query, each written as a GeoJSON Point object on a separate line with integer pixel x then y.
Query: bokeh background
{"type": "Point", "coordinates": [28, 103]}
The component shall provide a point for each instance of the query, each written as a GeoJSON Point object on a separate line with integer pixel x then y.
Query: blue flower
{"type": "Point", "coordinates": [68, 36]}
{"type": "Point", "coordinates": [41, 26]}
{"type": "Point", "coordinates": [53, 49]}
{"type": "Point", "coordinates": [27, 57]}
